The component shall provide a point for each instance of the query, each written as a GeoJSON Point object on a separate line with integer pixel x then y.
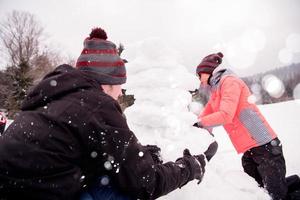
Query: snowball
{"type": "Point", "coordinates": [195, 107]}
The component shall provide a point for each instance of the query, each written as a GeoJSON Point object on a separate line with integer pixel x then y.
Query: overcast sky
{"type": "Point", "coordinates": [254, 35]}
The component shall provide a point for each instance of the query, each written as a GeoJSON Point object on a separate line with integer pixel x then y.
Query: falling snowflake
{"type": "Point", "coordinates": [104, 180]}
{"type": "Point", "coordinates": [107, 165]}
{"type": "Point", "coordinates": [111, 159]}
{"type": "Point", "coordinates": [141, 154]}
{"type": "Point", "coordinates": [94, 154]}
{"type": "Point", "coordinates": [252, 99]}
{"type": "Point", "coordinates": [53, 83]}
{"type": "Point", "coordinates": [82, 178]}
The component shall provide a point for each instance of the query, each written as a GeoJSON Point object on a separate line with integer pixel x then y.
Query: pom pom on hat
{"type": "Point", "coordinates": [209, 63]}
{"type": "Point", "coordinates": [98, 33]}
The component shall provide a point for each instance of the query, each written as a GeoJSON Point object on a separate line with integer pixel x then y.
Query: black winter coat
{"type": "Point", "coordinates": [69, 133]}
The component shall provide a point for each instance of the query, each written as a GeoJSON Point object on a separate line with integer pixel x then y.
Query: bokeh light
{"type": "Point", "coordinates": [296, 92]}
{"type": "Point", "coordinates": [273, 86]}
{"type": "Point", "coordinates": [285, 56]}
{"type": "Point", "coordinates": [293, 42]}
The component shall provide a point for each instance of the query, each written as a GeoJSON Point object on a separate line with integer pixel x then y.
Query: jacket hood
{"type": "Point", "coordinates": [217, 75]}
{"type": "Point", "coordinates": [63, 80]}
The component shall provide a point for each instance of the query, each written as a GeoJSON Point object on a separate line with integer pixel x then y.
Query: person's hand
{"type": "Point", "coordinates": [201, 161]}
{"type": "Point", "coordinates": [196, 165]}
{"type": "Point", "coordinates": [211, 150]}
{"type": "Point", "coordinates": [198, 125]}
{"type": "Point", "coordinates": [155, 153]}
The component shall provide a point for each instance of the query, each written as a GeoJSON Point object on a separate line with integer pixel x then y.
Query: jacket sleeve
{"type": "Point", "coordinates": [207, 110]}
{"type": "Point", "coordinates": [128, 163]}
{"type": "Point", "coordinates": [230, 95]}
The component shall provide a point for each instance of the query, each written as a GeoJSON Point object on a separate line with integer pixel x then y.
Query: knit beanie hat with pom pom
{"type": "Point", "coordinates": [209, 63]}
{"type": "Point", "coordinates": [101, 56]}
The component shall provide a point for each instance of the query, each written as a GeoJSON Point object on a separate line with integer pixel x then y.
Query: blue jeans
{"type": "Point", "coordinates": [100, 192]}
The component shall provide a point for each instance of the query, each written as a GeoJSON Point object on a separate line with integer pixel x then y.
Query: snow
{"type": "Point", "coordinates": [161, 116]}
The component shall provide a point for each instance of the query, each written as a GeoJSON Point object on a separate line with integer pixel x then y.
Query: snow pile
{"type": "Point", "coordinates": [160, 116]}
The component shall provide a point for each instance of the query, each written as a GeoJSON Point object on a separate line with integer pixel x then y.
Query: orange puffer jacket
{"type": "Point", "coordinates": [229, 106]}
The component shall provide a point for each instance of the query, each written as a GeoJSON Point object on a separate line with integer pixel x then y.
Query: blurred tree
{"type": "Point", "coordinates": [27, 60]}
{"type": "Point", "coordinates": [20, 41]}
{"type": "Point", "coordinates": [5, 87]}
{"type": "Point", "coordinates": [288, 75]}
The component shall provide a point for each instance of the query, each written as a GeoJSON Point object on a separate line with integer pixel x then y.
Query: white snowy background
{"type": "Point", "coordinates": [163, 114]}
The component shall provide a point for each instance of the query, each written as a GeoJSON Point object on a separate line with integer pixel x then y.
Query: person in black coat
{"type": "Point", "coordinates": [71, 132]}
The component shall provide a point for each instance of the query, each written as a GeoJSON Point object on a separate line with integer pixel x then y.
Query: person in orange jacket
{"type": "Point", "coordinates": [249, 131]}
{"type": "Point", "coordinates": [3, 121]}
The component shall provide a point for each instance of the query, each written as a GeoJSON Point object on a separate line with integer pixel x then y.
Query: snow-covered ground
{"type": "Point", "coordinates": [161, 116]}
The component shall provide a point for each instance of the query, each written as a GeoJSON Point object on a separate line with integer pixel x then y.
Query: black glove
{"type": "Point", "coordinates": [198, 125]}
{"type": "Point", "coordinates": [196, 165]}
{"type": "Point", "coordinates": [155, 153]}
{"type": "Point", "coordinates": [201, 161]}
{"type": "Point", "coordinates": [211, 150]}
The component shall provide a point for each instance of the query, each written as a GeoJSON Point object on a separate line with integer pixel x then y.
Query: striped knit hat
{"type": "Point", "coordinates": [101, 56]}
{"type": "Point", "coordinates": [209, 63]}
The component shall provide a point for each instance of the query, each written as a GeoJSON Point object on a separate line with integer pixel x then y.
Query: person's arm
{"type": "Point", "coordinates": [206, 110]}
{"type": "Point", "coordinates": [230, 95]}
{"type": "Point", "coordinates": [131, 166]}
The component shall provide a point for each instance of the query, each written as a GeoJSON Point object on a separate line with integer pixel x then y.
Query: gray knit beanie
{"type": "Point", "coordinates": [101, 56]}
